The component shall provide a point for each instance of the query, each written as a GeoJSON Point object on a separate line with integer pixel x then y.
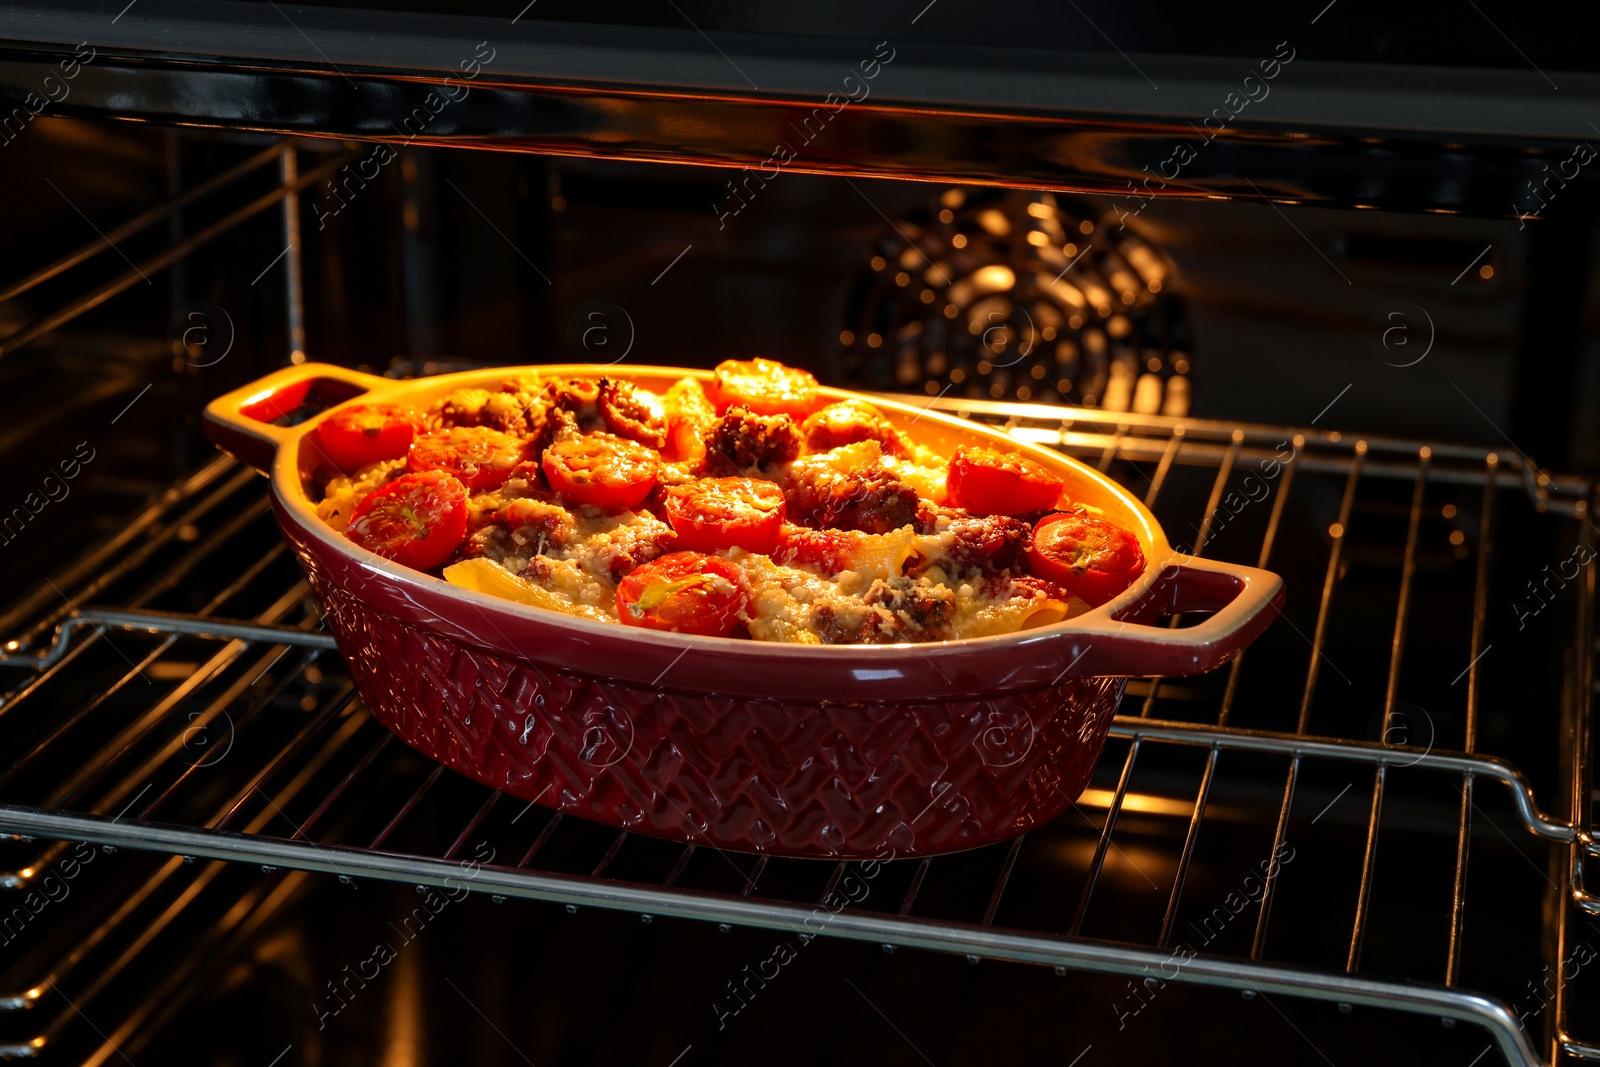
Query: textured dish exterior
{"type": "Point", "coordinates": [845, 751]}
{"type": "Point", "coordinates": [787, 778]}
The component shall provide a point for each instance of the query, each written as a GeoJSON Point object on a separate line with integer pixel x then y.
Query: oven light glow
{"type": "Point", "coordinates": [1145, 803]}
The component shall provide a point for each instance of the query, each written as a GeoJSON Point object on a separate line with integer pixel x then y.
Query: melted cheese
{"type": "Point", "coordinates": [892, 587]}
{"type": "Point", "coordinates": [344, 492]}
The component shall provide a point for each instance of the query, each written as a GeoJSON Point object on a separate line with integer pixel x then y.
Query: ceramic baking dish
{"type": "Point", "coordinates": [824, 751]}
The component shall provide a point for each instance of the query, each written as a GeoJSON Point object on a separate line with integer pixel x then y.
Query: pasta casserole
{"type": "Point", "coordinates": [746, 506]}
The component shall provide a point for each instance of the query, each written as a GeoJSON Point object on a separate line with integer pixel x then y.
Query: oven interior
{"type": "Point", "coordinates": [217, 856]}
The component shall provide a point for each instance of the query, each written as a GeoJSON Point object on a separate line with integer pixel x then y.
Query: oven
{"type": "Point", "coordinates": [1315, 286]}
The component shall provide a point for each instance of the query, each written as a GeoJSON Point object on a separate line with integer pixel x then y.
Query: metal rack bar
{"type": "Point", "coordinates": [1208, 776]}
{"type": "Point", "coordinates": [262, 819]}
{"type": "Point", "coordinates": [102, 760]}
{"type": "Point", "coordinates": [405, 809]}
{"type": "Point", "coordinates": [916, 885]}
{"type": "Point", "coordinates": [1268, 538]}
{"type": "Point", "coordinates": [1258, 943]}
{"type": "Point", "coordinates": [126, 564]}
{"type": "Point", "coordinates": [755, 875]}
{"type": "Point", "coordinates": [1324, 606]}
{"type": "Point", "coordinates": [104, 976]}
{"type": "Point", "coordinates": [1186, 857]}
{"type": "Point", "coordinates": [225, 942]}
{"type": "Point", "coordinates": [149, 885]}
{"type": "Point", "coordinates": [144, 220]}
{"type": "Point", "coordinates": [293, 274]}
{"type": "Point", "coordinates": [1196, 445]}
{"type": "Point", "coordinates": [1169, 456]}
{"type": "Point", "coordinates": [251, 711]}
{"type": "Point", "coordinates": [1480, 613]}
{"type": "Point", "coordinates": [1408, 569]}
{"type": "Point", "coordinates": [109, 560]}
{"type": "Point", "coordinates": [1218, 484]}
{"type": "Point", "coordinates": [171, 623]}
{"type": "Point", "coordinates": [1562, 494]}
{"type": "Point", "coordinates": [616, 843]}
{"type": "Point", "coordinates": [482, 813]}
{"type": "Point", "coordinates": [330, 711]}
{"type": "Point", "coordinates": [338, 791]}
{"type": "Point", "coordinates": [1006, 868]}
{"type": "Point", "coordinates": [833, 881]}
{"type": "Point", "coordinates": [948, 937]}
{"type": "Point", "coordinates": [1516, 783]}
{"type": "Point", "coordinates": [1582, 799]}
{"type": "Point", "coordinates": [1099, 861]}
{"type": "Point", "coordinates": [161, 260]}
{"type": "Point", "coordinates": [544, 835]}
{"type": "Point", "coordinates": [130, 734]}
{"type": "Point", "coordinates": [677, 868]}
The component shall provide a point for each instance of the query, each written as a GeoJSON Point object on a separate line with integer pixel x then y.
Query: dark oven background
{"type": "Point", "coordinates": [1418, 326]}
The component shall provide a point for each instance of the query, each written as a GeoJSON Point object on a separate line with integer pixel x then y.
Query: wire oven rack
{"type": "Point", "coordinates": [184, 657]}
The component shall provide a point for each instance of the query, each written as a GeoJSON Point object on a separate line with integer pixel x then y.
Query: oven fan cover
{"type": "Point", "coordinates": [1006, 295]}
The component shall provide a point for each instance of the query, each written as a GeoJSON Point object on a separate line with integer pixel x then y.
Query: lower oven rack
{"type": "Point", "coordinates": [255, 750]}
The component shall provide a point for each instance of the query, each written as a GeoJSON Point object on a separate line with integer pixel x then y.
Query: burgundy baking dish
{"type": "Point", "coordinates": [821, 751]}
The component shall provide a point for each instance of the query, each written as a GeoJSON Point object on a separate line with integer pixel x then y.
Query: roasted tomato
{"type": "Point", "coordinates": [715, 513]}
{"type": "Point", "coordinates": [850, 421]}
{"type": "Point", "coordinates": [1089, 557]}
{"type": "Point", "coordinates": [351, 438]}
{"type": "Point", "coordinates": [601, 469]}
{"type": "Point", "coordinates": [480, 457]}
{"type": "Point", "coordinates": [417, 519]}
{"type": "Point", "coordinates": [987, 482]}
{"type": "Point", "coordinates": [764, 386]}
{"type": "Point", "coordinates": [686, 592]}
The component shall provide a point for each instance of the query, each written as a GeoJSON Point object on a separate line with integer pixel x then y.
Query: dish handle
{"type": "Point", "coordinates": [1124, 643]}
{"type": "Point", "coordinates": [243, 423]}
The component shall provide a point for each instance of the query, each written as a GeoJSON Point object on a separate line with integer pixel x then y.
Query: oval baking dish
{"type": "Point", "coordinates": [796, 750]}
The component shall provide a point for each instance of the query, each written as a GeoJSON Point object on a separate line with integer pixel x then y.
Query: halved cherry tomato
{"type": "Point", "coordinates": [1093, 559]}
{"type": "Point", "coordinates": [417, 519]}
{"type": "Point", "coordinates": [601, 469]}
{"type": "Point", "coordinates": [685, 592]}
{"type": "Point", "coordinates": [764, 386]}
{"type": "Point", "coordinates": [714, 513]}
{"type": "Point", "coordinates": [987, 482]}
{"type": "Point", "coordinates": [351, 438]}
{"type": "Point", "coordinates": [481, 458]}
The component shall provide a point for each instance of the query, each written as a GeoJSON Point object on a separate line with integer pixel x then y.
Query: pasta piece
{"type": "Point", "coordinates": [1043, 613]}
{"type": "Point", "coordinates": [878, 557]}
{"type": "Point", "coordinates": [840, 552]}
{"type": "Point", "coordinates": [690, 419]}
{"type": "Point", "coordinates": [485, 576]}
